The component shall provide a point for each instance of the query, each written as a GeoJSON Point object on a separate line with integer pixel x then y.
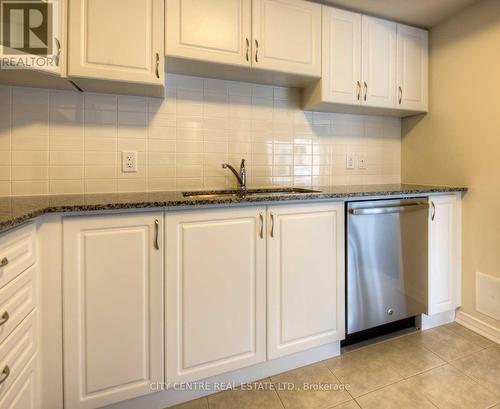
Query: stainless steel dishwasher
{"type": "Point", "coordinates": [387, 261]}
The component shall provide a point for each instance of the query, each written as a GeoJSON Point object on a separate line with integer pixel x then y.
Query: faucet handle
{"type": "Point", "coordinates": [242, 166]}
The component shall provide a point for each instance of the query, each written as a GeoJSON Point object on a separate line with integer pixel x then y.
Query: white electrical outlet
{"type": "Point", "coordinates": [362, 162]}
{"type": "Point", "coordinates": [129, 161]}
{"type": "Point", "coordinates": [349, 161]}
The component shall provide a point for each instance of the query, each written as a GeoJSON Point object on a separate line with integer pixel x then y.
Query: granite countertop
{"type": "Point", "coordinates": [16, 210]}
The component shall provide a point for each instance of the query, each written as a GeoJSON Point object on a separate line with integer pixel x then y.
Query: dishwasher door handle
{"type": "Point", "coordinates": [389, 209]}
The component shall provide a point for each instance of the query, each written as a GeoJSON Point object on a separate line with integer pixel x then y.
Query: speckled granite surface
{"type": "Point", "coordinates": [17, 210]}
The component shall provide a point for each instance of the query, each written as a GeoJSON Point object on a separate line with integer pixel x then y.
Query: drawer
{"type": "Point", "coordinates": [22, 393]}
{"type": "Point", "coordinates": [16, 351]}
{"type": "Point", "coordinates": [17, 300]}
{"type": "Point", "coordinates": [17, 252]}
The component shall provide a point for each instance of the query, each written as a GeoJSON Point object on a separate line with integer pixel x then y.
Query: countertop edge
{"type": "Point", "coordinates": [22, 219]}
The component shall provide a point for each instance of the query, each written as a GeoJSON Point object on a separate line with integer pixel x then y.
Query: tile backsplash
{"type": "Point", "coordinates": [67, 142]}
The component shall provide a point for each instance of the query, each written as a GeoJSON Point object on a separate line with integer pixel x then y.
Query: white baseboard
{"type": "Point", "coordinates": [476, 325]}
{"type": "Point", "coordinates": [253, 373]}
{"type": "Point", "coordinates": [431, 321]}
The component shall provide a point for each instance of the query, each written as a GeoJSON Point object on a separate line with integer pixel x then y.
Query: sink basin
{"type": "Point", "coordinates": [239, 193]}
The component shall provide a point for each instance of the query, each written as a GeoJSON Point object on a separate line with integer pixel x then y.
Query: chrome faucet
{"type": "Point", "coordinates": [241, 175]}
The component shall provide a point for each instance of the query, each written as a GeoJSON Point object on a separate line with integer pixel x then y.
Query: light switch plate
{"type": "Point", "coordinates": [350, 161]}
{"type": "Point", "coordinates": [129, 161]}
{"type": "Point", "coordinates": [362, 162]}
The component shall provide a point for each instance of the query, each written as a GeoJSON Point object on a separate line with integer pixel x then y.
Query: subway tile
{"type": "Point", "coordinates": [34, 97]}
{"type": "Point", "coordinates": [66, 158]}
{"type": "Point", "coordinates": [132, 104]}
{"type": "Point", "coordinates": [29, 173]}
{"type": "Point", "coordinates": [183, 139]}
{"type": "Point", "coordinates": [30, 187]}
{"type": "Point", "coordinates": [65, 186]}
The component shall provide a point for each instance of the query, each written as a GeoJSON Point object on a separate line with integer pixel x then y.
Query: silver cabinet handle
{"type": "Point", "coordinates": [247, 55]}
{"type": "Point", "coordinates": [157, 69]}
{"type": "Point", "coordinates": [5, 317]}
{"type": "Point", "coordinates": [4, 262]}
{"type": "Point", "coordinates": [5, 374]}
{"type": "Point", "coordinates": [58, 45]}
{"type": "Point", "coordinates": [400, 99]}
{"type": "Point", "coordinates": [261, 233]}
{"type": "Point", "coordinates": [157, 233]}
{"type": "Point", "coordinates": [359, 89]}
{"type": "Point", "coordinates": [272, 224]}
{"type": "Point", "coordinates": [366, 89]}
{"type": "Point", "coordinates": [256, 51]}
{"type": "Point", "coordinates": [433, 212]}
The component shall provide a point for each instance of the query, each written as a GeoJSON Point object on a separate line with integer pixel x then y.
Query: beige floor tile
{"type": "Point", "coordinates": [257, 395]}
{"type": "Point", "coordinates": [300, 397]}
{"type": "Point", "coordinates": [365, 370]}
{"type": "Point", "coordinates": [201, 403]}
{"type": "Point", "coordinates": [347, 405]}
{"type": "Point", "coordinates": [408, 356]}
{"type": "Point", "coordinates": [469, 335]}
{"type": "Point", "coordinates": [395, 396]}
{"type": "Point", "coordinates": [448, 388]}
{"type": "Point", "coordinates": [484, 367]}
{"type": "Point", "coordinates": [447, 344]}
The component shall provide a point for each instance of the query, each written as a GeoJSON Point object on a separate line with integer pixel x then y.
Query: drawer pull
{"type": "Point", "coordinates": [157, 233]}
{"type": "Point", "coordinates": [5, 374]}
{"type": "Point", "coordinates": [4, 318]}
{"type": "Point", "coordinates": [4, 262]}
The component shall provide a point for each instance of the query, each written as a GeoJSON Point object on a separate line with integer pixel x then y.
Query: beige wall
{"type": "Point", "coordinates": [458, 142]}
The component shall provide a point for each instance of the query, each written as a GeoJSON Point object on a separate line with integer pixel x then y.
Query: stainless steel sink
{"type": "Point", "coordinates": [239, 193]}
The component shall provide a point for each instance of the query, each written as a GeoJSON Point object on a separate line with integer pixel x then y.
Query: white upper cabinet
{"type": "Point", "coordinates": [215, 291]}
{"type": "Point", "coordinates": [265, 36]}
{"type": "Point", "coordinates": [370, 66]}
{"type": "Point", "coordinates": [378, 62]}
{"type": "Point", "coordinates": [341, 56]}
{"type": "Point", "coordinates": [412, 68]}
{"type": "Point", "coordinates": [306, 291]}
{"type": "Point", "coordinates": [215, 30]}
{"type": "Point", "coordinates": [444, 254]}
{"type": "Point", "coordinates": [287, 36]}
{"type": "Point", "coordinates": [113, 307]}
{"type": "Point", "coordinates": [116, 40]}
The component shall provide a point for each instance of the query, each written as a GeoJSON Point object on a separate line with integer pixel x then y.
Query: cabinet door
{"type": "Point", "coordinates": [412, 68]}
{"type": "Point", "coordinates": [216, 292]}
{"type": "Point", "coordinates": [113, 307]}
{"type": "Point", "coordinates": [23, 394]}
{"type": "Point", "coordinates": [306, 290]}
{"type": "Point", "coordinates": [218, 31]}
{"type": "Point", "coordinates": [443, 254]}
{"type": "Point", "coordinates": [378, 62]}
{"type": "Point", "coordinates": [287, 36]}
{"type": "Point", "coordinates": [341, 47]}
{"type": "Point", "coordinates": [117, 40]}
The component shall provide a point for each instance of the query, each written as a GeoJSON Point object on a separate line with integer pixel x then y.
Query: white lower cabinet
{"type": "Point", "coordinates": [112, 307]}
{"type": "Point", "coordinates": [306, 292]}
{"type": "Point", "coordinates": [444, 254]}
{"type": "Point", "coordinates": [215, 291]}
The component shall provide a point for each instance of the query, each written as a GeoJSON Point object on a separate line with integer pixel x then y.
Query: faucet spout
{"type": "Point", "coordinates": [241, 176]}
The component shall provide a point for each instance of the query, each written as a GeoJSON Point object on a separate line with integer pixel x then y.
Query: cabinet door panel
{"type": "Point", "coordinates": [23, 393]}
{"type": "Point", "coordinates": [287, 36]}
{"type": "Point", "coordinates": [215, 292]}
{"type": "Point", "coordinates": [443, 254]}
{"type": "Point", "coordinates": [215, 30]}
{"type": "Point", "coordinates": [118, 40]}
{"type": "Point", "coordinates": [412, 68]}
{"type": "Point", "coordinates": [113, 308]}
{"type": "Point", "coordinates": [305, 277]}
{"type": "Point", "coordinates": [341, 55]}
{"type": "Point", "coordinates": [379, 62]}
